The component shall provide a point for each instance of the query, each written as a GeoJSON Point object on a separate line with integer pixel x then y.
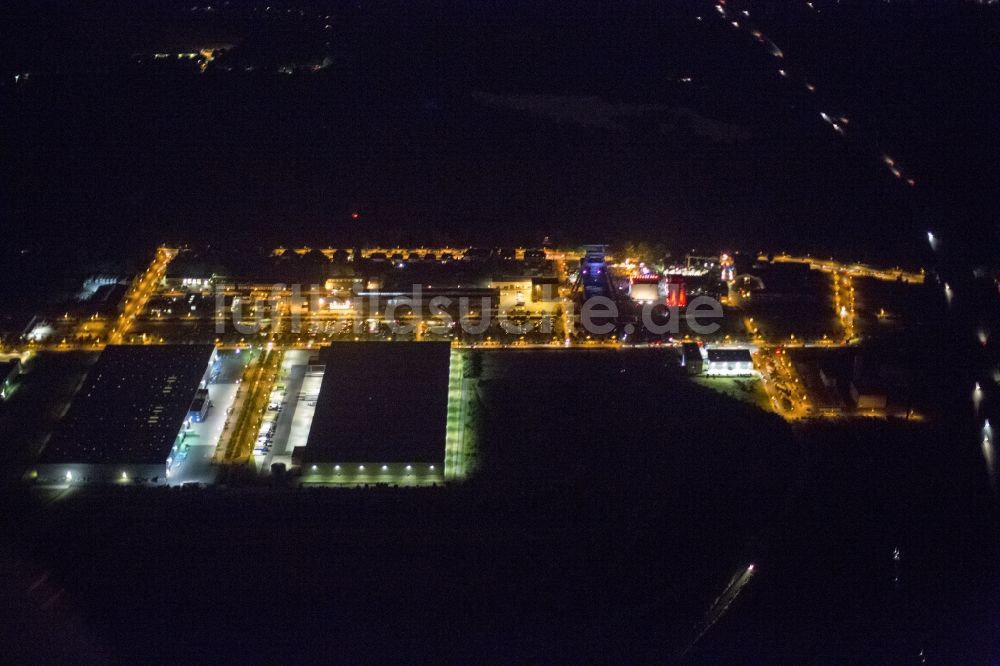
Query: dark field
{"type": "Point", "coordinates": [562, 545]}
{"type": "Point", "coordinates": [572, 540]}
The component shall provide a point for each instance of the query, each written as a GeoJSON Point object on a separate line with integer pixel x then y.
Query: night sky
{"type": "Point", "coordinates": [483, 123]}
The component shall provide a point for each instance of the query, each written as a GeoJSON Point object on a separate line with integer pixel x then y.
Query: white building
{"type": "Point", "coordinates": [732, 362]}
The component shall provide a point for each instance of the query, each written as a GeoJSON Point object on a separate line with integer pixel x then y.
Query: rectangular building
{"type": "Point", "coordinates": [729, 362]}
{"type": "Point", "coordinates": [692, 358]}
{"type": "Point", "coordinates": [645, 289]}
{"type": "Point", "coordinates": [125, 421]}
{"type": "Point", "coordinates": [381, 412]}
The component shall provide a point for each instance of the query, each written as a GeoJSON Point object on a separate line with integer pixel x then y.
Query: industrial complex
{"type": "Point", "coordinates": [350, 366]}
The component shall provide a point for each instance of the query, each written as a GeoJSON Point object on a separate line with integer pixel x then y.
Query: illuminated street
{"type": "Point", "coordinates": [142, 290]}
{"type": "Point", "coordinates": [251, 402]}
{"type": "Point", "coordinates": [153, 314]}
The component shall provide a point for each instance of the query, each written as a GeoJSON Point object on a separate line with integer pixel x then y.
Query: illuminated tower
{"type": "Point", "coordinates": [594, 274]}
{"type": "Point", "coordinates": [727, 264]}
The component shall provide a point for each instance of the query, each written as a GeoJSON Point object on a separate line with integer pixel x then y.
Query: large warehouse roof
{"type": "Point", "coordinates": [131, 406]}
{"type": "Point", "coordinates": [381, 402]}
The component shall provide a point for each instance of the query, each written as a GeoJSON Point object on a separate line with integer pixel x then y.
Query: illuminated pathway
{"type": "Point", "coordinates": [784, 390]}
{"type": "Point", "coordinates": [838, 122]}
{"type": "Point", "coordinates": [454, 449]}
{"type": "Point", "coordinates": [138, 296]}
{"type": "Point", "coordinates": [255, 391]}
{"type": "Point", "coordinates": [854, 270]}
{"type": "Point", "coordinates": [844, 306]}
{"type": "Point", "coordinates": [722, 604]}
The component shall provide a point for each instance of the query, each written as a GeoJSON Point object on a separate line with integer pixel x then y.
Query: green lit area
{"type": "Point", "coordinates": [458, 447]}
{"type": "Point", "coordinates": [8, 390]}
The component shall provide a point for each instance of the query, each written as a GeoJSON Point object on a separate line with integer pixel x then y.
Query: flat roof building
{"type": "Point", "coordinates": [645, 289]}
{"type": "Point", "coordinates": [692, 358]}
{"type": "Point", "coordinates": [128, 414]}
{"type": "Point", "coordinates": [380, 404]}
{"type": "Point", "coordinates": [729, 361]}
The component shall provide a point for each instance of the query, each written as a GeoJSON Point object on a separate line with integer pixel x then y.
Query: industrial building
{"type": "Point", "coordinates": [594, 275]}
{"type": "Point", "coordinates": [645, 289]}
{"type": "Point", "coordinates": [127, 420]}
{"type": "Point", "coordinates": [729, 362]}
{"type": "Point", "coordinates": [381, 414]}
{"type": "Point", "coordinates": [693, 358]}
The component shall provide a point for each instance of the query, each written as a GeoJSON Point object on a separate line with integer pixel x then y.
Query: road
{"type": "Point", "coordinates": [721, 604]}
{"type": "Point", "coordinates": [784, 389]}
{"type": "Point", "coordinates": [255, 391]}
{"type": "Point", "coordinates": [854, 270]}
{"type": "Point", "coordinates": [138, 296]}
{"type": "Point", "coordinates": [292, 374]}
{"type": "Point", "coordinates": [844, 303]}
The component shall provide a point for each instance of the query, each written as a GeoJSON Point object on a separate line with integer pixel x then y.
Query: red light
{"type": "Point", "coordinates": [355, 216]}
{"type": "Point", "coordinates": [676, 293]}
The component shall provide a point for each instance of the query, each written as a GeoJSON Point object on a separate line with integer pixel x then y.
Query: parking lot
{"type": "Point", "coordinates": [273, 444]}
{"type": "Point", "coordinates": [198, 440]}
